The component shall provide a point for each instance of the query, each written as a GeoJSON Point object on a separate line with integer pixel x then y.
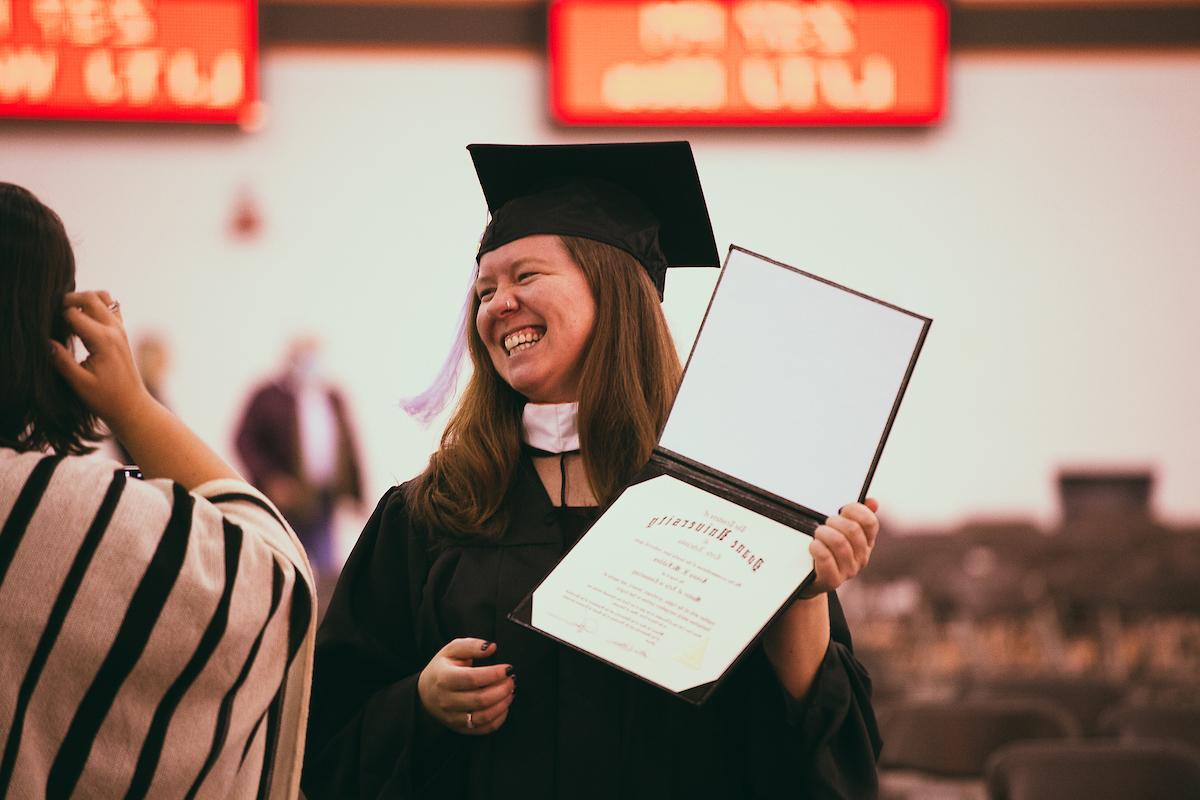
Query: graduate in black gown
{"type": "Point", "coordinates": [422, 687]}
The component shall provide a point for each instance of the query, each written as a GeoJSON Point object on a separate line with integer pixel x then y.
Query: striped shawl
{"type": "Point", "coordinates": [155, 642]}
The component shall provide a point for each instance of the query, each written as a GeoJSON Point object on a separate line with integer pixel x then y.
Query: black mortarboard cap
{"type": "Point", "coordinates": [642, 197]}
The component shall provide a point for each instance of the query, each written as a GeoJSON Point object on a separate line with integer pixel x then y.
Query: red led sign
{"type": "Point", "coordinates": [748, 62]}
{"type": "Point", "coordinates": [167, 60]}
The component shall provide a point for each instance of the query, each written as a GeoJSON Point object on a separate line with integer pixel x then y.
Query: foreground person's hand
{"type": "Point", "coordinates": [842, 546]}
{"type": "Point", "coordinates": [107, 380]}
{"type": "Point", "coordinates": [464, 698]}
{"type": "Point", "coordinates": [108, 383]}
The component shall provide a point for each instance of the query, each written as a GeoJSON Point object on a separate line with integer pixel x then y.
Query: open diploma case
{"type": "Point", "coordinates": [786, 401]}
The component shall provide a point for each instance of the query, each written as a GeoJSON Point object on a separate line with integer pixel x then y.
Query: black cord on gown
{"type": "Point", "coordinates": [562, 492]}
{"type": "Point", "coordinates": [562, 468]}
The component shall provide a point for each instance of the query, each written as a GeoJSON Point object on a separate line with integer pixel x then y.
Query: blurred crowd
{"type": "Point", "coordinates": [1002, 635]}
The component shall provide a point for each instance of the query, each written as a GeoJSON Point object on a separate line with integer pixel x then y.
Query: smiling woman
{"type": "Point", "coordinates": [414, 692]}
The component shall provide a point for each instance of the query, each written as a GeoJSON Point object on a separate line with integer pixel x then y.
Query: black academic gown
{"type": "Point", "coordinates": [577, 728]}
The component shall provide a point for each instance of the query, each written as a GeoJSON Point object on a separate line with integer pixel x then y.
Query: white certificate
{"type": "Point", "coordinates": [672, 583]}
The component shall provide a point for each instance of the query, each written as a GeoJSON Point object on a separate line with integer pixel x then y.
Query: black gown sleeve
{"type": "Point", "coordinates": [824, 745]}
{"type": "Point", "coordinates": [367, 733]}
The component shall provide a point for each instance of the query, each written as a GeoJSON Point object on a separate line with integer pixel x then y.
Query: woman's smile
{"type": "Point", "coordinates": [521, 340]}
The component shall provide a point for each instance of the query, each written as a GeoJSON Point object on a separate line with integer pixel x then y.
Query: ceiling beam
{"type": "Point", "coordinates": [974, 24]}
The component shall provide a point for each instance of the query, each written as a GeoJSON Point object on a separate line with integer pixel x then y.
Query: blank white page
{"type": "Point", "coordinates": [791, 383]}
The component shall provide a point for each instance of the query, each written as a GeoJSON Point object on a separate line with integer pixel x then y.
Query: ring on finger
{"type": "Point", "coordinates": [470, 720]}
{"type": "Point", "coordinates": [114, 306]}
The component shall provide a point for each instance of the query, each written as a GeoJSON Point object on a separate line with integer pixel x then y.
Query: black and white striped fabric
{"type": "Point", "coordinates": [153, 642]}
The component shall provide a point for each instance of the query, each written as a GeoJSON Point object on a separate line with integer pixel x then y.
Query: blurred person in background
{"type": "Point", "coordinates": [158, 632]}
{"type": "Point", "coordinates": [296, 441]}
{"type": "Point", "coordinates": [152, 357]}
{"type": "Point", "coordinates": [574, 371]}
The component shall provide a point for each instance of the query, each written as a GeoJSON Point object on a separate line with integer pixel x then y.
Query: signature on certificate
{"type": "Point", "coordinates": [585, 625]}
{"type": "Point", "coordinates": [629, 648]}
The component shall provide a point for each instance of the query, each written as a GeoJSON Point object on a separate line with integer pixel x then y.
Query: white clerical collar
{"type": "Point", "coordinates": [551, 426]}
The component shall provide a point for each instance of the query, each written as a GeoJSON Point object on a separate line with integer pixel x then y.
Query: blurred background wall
{"type": "Point", "coordinates": [1048, 225]}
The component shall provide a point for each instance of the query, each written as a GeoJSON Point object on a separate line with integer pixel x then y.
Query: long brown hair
{"type": "Point", "coordinates": [38, 409]}
{"type": "Point", "coordinates": [630, 373]}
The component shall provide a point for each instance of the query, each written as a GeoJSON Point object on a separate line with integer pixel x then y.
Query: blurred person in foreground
{"type": "Point", "coordinates": [297, 443]}
{"type": "Point", "coordinates": [415, 689]}
{"type": "Point", "coordinates": [157, 632]}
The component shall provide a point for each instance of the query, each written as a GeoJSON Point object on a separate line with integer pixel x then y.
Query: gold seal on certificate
{"type": "Point", "coordinates": [679, 576]}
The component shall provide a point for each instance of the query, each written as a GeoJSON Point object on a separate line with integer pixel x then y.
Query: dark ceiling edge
{"type": "Point", "coordinates": [372, 24]}
{"type": "Point", "coordinates": [524, 26]}
{"type": "Point", "coordinates": [1075, 27]}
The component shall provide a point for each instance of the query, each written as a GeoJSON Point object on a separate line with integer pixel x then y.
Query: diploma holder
{"type": "Point", "coordinates": [787, 399]}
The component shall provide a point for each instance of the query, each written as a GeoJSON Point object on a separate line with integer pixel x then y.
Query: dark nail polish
{"type": "Point", "coordinates": [486, 645]}
{"type": "Point", "coordinates": [509, 671]}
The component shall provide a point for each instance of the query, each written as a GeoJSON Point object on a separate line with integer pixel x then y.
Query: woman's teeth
{"type": "Point", "coordinates": [522, 340]}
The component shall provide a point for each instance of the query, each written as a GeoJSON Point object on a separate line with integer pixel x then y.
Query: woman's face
{"type": "Point", "coordinates": [536, 314]}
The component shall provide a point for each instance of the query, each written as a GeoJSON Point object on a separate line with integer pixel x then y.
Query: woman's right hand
{"type": "Point", "coordinates": [464, 698]}
{"type": "Point", "coordinates": [107, 380]}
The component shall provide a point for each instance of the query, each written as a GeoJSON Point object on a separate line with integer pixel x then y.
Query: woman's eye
{"type": "Point", "coordinates": [525, 276]}
{"type": "Point", "coordinates": [486, 294]}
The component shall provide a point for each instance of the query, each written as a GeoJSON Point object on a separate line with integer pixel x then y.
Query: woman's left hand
{"type": "Point", "coordinates": [107, 380]}
{"type": "Point", "coordinates": [842, 546]}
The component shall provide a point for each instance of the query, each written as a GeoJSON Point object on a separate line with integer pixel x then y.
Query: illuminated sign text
{"type": "Point", "coordinates": [748, 62]}
{"type": "Point", "coordinates": [180, 60]}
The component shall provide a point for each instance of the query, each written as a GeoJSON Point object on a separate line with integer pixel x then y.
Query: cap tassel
{"type": "Point", "coordinates": [425, 406]}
